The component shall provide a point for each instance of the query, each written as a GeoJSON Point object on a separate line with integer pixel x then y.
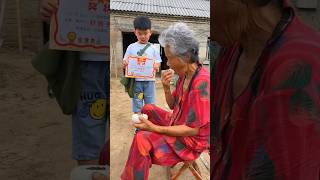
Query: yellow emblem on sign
{"type": "Point", "coordinates": [72, 36]}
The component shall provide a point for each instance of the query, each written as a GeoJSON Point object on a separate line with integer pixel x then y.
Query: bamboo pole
{"type": "Point", "coordinates": [115, 63]}
{"type": "Point", "coordinates": [19, 26]}
{"type": "Point", "coordinates": [2, 8]}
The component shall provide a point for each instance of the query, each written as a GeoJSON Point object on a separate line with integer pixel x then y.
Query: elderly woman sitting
{"type": "Point", "coordinates": [168, 138]}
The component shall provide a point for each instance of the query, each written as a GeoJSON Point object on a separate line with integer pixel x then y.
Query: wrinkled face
{"type": "Point", "coordinates": [228, 20]}
{"type": "Point", "coordinates": [174, 62]}
{"type": "Point", "coordinates": [143, 36]}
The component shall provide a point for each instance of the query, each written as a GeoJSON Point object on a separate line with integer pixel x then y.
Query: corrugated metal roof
{"type": "Point", "coordinates": [190, 8]}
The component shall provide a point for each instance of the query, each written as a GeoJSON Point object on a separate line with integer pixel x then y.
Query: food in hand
{"type": "Point", "coordinates": [171, 71]}
{"type": "Point", "coordinates": [145, 116]}
{"type": "Point", "coordinates": [135, 117]}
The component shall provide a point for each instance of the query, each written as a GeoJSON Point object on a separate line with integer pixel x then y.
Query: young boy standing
{"type": "Point", "coordinates": [89, 119]}
{"type": "Point", "coordinates": [145, 89]}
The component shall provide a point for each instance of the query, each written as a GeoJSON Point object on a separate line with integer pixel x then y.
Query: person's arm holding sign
{"type": "Point", "coordinates": [125, 60]}
{"type": "Point", "coordinates": [47, 8]}
{"type": "Point", "coordinates": [125, 63]}
{"type": "Point", "coordinates": [156, 66]}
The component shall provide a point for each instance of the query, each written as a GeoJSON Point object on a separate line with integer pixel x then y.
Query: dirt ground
{"type": "Point", "coordinates": [35, 137]}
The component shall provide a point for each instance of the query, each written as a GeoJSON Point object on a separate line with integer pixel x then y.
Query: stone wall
{"type": "Point", "coordinates": [30, 23]}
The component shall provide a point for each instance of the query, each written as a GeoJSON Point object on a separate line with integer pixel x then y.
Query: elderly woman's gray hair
{"type": "Point", "coordinates": [181, 41]}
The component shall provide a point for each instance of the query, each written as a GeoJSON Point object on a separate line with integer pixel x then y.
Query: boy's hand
{"type": "Point", "coordinates": [156, 67]}
{"type": "Point", "coordinates": [47, 9]}
{"type": "Point", "coordinates": [125, 63]}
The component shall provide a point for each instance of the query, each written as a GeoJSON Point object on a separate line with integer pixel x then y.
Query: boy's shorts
{"type": "Point", "coordinates": [89, 121]}
{"type": "Point", "coordinates": [145, 93]}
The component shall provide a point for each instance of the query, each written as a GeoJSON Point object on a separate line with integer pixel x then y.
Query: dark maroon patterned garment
{"type": "Point", "coordinates": [272, 130]}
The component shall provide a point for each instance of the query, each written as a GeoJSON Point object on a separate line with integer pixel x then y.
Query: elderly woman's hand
{"type": "Point", "coordinates": [145, 125]}
{"type": "Point", "coordinates": [166, 77]}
